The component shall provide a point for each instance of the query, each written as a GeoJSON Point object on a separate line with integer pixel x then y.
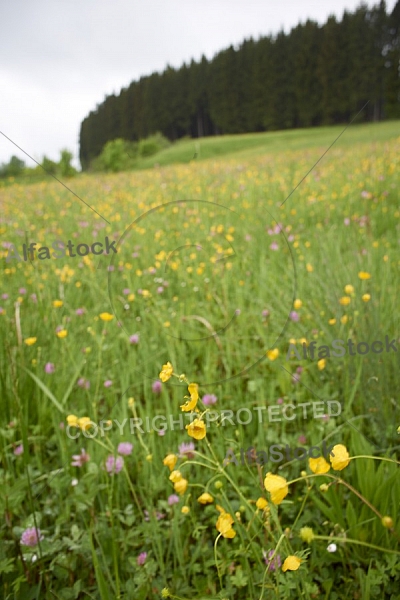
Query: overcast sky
{"type": "Point", "coordinates": [58, 59]}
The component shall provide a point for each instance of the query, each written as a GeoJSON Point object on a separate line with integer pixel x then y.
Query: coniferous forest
{"type": "Point", "coordinates": [314, 75]}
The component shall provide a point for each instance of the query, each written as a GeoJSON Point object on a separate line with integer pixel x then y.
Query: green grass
{"type": "Point", "coordinates": [342, 220]}
{"type": "Point", "coordinates": [253, 144]}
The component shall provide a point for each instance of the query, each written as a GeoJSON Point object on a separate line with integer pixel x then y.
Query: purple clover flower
{"type": "Point", "coordinates": [125, 448]}
{"type": "Point", "coordinates": [114, 465]}
{"type": "Point", "coordinates": [80, 459]}
{"type": "Point", "coordinates": [275, 563]}
{"type": "Point", "coordinates": [186, 449]}
{"type": "Point", "coordinates": [141, 559]}
{"type": "Point", "coordinates": [209, 399]}
{"type": "Point", "coordinates": [157, 387]}
{"type": "Point", "coordinates": [31, 536]}
{"type": "Point", "coordinates": [173, 499]}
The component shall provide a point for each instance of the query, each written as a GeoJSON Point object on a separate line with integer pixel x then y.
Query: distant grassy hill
{"type": "Point", "coordinates": [245, 145]}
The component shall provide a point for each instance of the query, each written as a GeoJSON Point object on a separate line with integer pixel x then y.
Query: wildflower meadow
{"type": "Point", "coordinates": [129, 377]}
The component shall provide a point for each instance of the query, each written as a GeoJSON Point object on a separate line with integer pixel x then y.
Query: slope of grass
{"type": "Point", "coordinates": [253, 144]}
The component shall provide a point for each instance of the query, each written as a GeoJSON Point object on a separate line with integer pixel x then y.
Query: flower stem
{"type": "Point", "coordinates": [350, 541]}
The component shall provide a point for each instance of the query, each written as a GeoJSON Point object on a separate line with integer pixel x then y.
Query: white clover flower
{"type": "Point", "coordinates": [332, 548]}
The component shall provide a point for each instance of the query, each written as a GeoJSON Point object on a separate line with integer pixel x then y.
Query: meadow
{"type": "Point", "coordinates": [221, 263]}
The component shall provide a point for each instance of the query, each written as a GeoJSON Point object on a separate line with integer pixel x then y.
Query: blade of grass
{"type": "Point", "coordinates": [72, 383]}
{"type": "Point", "coordinates": [46, 390]}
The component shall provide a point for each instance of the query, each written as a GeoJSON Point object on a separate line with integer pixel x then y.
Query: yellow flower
{"type": "Point", "coordinates": [345, 300]}
{"type": "Point", "coordinates": [341, 457]}
{"type": "Point", "coordinates": [307, 534]}
{"type": "Point", "coordinates": [185, 510]}
{"type": "Point", "coordinates": [205, 498]}
{"type": "Point", "coordinates": [273, 354]}
{"type": "Point", "coordinates": [292, 563]}
{"type": "Point", "coordinates": [366, 297]}
{"type": "Point", "coordinates": [105, 316]}
{"type": "Point", "coordinates": [197, 429]}
{"type": "Point", "coordinates": [170, 461]}
{"type": "Point", "coordinates": [194, 396]}
{"type": "Point", "coordinates": [84, 423]}
{"type": "Point", "coordinates": [321, 364]}
{"type": "Point", "coordinates": [224, 525]}
{"type": "Point", "coordinates": [30, 341]}
{"type": "Point", "coordinates": [175, 476]}
{"type": "Point", "coordinates": [318, 465]}
{"type": "Point", "coordinates": [364, 275]}
{"type": "Point", "coordinates": [72, 421]}
{"type": "Point", "coordinates": [387, 522]}
{"type": "Point", "coordinates": [57, 303]}
{"type": "Point", "coordinates": [332, 321]}
{"type": "Point", "coordinates": [297, 304]}
{"type": "Point", "coordinates": [166, 372]}
{"type": "Point", "coordinates": [344, 319]}
{"type": "Point", "coordinates": [348, 289]}
{"type": "Point", "coordinates": [62, 334]}
{"type": "Point", "coordinates": [261, 503]}
{"type": "Point", "coordinates": [277, 487]}
{"type": "Point", "coordinates": [309, 268]}
{"type": "Point", "coordinates": [180, 486]}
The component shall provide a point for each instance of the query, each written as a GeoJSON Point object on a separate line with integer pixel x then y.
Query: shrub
{"type": "Point", "coordinates": [152, 144]}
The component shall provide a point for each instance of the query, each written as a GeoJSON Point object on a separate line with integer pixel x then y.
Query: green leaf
{"type": "Point", "coordinates": [6, 566]}
{"type": "Point", "coordinates": [239, 579]}
{"type": "Point", "coordinates": [351, 515]}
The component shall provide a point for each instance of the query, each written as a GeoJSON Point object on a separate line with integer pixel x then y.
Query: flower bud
{"type": "Point", "coordinates": [387, 522]}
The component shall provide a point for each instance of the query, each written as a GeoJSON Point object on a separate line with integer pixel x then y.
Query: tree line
{"type": "Point", "coordinates": [314, 75]}
{"type": "Point", "coordinates": [17, 169]}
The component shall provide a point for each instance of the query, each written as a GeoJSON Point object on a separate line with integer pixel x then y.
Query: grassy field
{"type": "Point", "coordinates": [220, 270]}
{"type": "Point", "coordinates": [252, 145]}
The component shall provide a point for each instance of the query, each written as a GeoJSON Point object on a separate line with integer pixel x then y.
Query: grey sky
{"type": "Point", "coordinates": [58, 59]}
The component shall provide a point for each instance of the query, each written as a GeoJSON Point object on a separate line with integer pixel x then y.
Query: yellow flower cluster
{"type": "Point", "coordinates": [292, 563]}
{"type": "Point", "coordinates": [83, 423]}
{"type": "Point", "coordinates": [191, 403]}
{"type": "Point", "coordinates": [224, 523]}
{"type": "Point", "coordinates": [278, 487]}
{"type": "Point", "coordinates": [180, 483]}
{"type": "Point", "coordinates": [105, 316]}
{"type": "Point", "coordinates": [197, 428]}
